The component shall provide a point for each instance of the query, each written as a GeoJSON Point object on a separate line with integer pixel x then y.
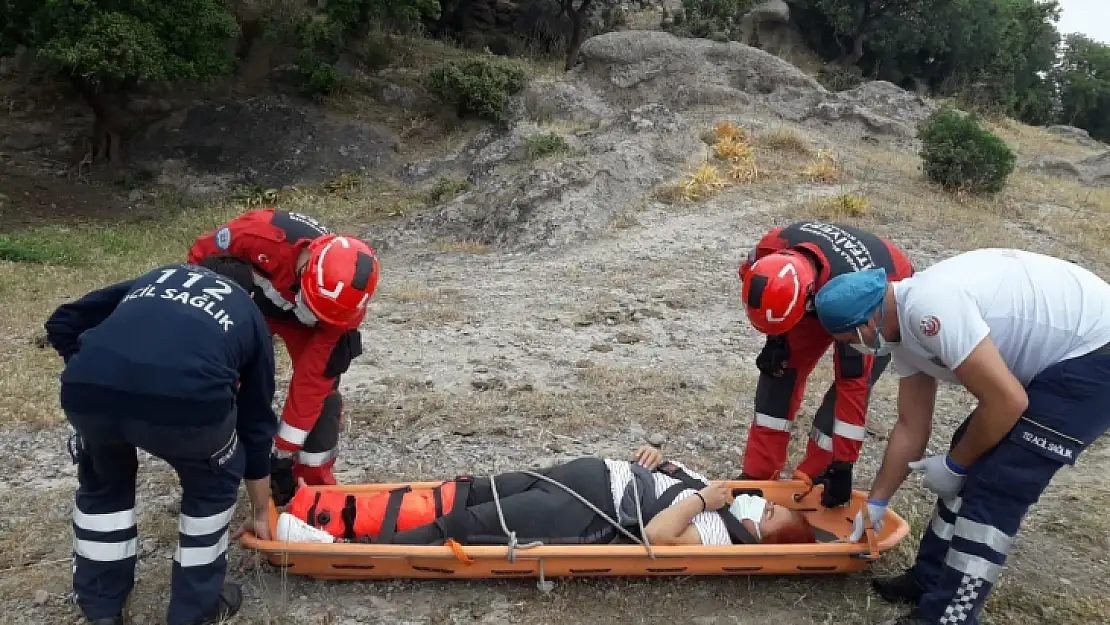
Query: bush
{"type": "Point", "coordinates": [481, 87]}
{"type": "Point", "coordinates": [710, 19]}
{"type": "Point", "coordinates": [959, 154]}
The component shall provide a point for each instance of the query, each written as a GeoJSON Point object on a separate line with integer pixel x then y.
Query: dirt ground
{"type": "Point", "coordinates": [586, 351]}
{"type": "Point", "coordinates": [480, 360]}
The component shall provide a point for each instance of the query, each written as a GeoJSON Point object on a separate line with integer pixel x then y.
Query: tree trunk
{"type": "Point", "coordinates": [109, 127]}
{"type": "Point", "coordinates": [858, 40]}
{"type": "Point", "coordinates": [578, 22]}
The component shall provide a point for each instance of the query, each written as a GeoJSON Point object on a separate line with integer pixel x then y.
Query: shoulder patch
{"type": "Point", "coordinates": [223, 238]}
{"type": "Point", "coordinates": [930, 325]}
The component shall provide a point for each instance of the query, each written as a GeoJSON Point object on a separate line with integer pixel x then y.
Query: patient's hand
{"type": "Point", "coordinates": [648, 457]}
{"type": "Point", "coordinates": [715, 495]}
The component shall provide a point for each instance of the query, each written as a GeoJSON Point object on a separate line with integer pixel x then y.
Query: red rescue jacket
{"type": "Point", "coordinates": [271, 240]}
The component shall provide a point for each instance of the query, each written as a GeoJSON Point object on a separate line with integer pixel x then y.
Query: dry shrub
{"type": "Point", "coordinates": [825, 168]}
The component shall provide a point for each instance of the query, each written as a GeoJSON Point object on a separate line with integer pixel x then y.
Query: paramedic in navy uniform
{"type": "Point", "coordinates": [177, 362]}
{"type": "Point", "coordinates": [1028, 336]}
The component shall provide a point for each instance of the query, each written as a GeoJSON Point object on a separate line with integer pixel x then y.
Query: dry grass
{"type": "Point", "coordinates": [785, 139]}
{"type": "Point", "coordinates": [76, 259]}
{"type": "Point", "coordinates": [824, 169]}
{"type": "Point", "coordinates": [1028, 141]}
{"type": "Point", "coordinates": [843, 207]}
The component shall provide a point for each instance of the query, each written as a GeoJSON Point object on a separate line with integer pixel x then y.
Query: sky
{"type": "Point", "coordinates": [1090, 17]}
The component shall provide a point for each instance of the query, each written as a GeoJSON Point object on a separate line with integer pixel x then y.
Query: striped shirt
{"type": "Point", "coordinates": [709, 524]}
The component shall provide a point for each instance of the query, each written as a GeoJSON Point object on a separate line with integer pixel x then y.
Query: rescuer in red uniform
{"type": "Point", "coordinates": [313, 287]}
{"type": "Point", "coordinates": [780, 278]}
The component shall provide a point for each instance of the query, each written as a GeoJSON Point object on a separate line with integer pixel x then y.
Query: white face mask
{"type": "Point", "coordinates": [882, 346]}
{"type": "Point", "coordinates": [750, 508]}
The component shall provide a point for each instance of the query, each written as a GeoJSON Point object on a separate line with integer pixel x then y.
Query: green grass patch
{"type": "Point", "coordinates": [548, 144]}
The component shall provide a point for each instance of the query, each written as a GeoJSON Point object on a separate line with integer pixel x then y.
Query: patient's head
{"type": "Point", "coordinates": [772, 523]}
{"type": "Point", "coordinates": [781, 525]}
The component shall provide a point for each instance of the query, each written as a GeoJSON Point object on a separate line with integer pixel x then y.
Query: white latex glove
{"type": "Point", "coordinates": [876, 510]}
{"type": "Point", "coordinates": [942, 476]}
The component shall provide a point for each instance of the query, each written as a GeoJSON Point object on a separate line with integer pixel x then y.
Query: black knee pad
{"type": "Point", "coordinates": [325, 434]}
{"type": "Point", "coordinates": [347, 348]}
{"type": "Point", "coordinates": [850, 360]}
{"type": "Point", "coordinates": [772, 394]}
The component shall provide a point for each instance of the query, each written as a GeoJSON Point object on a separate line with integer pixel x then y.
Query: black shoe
{"type": "Point", "coordinates": [231, 599]}
{"type": "Point", "coordinates": [902, 588]}
{"type": "Point", "coordinates": [107, 620]}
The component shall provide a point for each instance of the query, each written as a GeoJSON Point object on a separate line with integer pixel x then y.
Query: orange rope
{"type": "Point", "coordinates": [807, 480]}
{"type": "Point", "coordinates": [459, 553]}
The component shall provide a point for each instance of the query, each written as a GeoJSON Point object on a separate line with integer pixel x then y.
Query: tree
{"type": "Point", "coordinates": [859, 20]}
{"type": "Point", "coordinates": [106, 49]}
{"type": "Point", "coordinates": [1084, 80]}
{"type": "Point", "coordinates": [578, 11]}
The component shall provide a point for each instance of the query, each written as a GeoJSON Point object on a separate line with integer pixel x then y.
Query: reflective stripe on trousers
{"type": "Point", "coordinates": [105, 535]}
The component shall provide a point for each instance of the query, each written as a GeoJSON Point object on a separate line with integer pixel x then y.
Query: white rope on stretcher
{"type": "Point", "coordinates": [512, 535]}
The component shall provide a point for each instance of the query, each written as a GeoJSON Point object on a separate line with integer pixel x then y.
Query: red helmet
{"type": "Point", "coordinates": [339, 279]}
{"type": "Point", "coordinates": [776, 290]}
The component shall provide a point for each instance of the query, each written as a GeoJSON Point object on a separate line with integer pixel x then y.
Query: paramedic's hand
{"type": "Point", "coordinates": [259, 525]}
{"type": "Point", "coordinates": [942, 476]}
{"type": "Point", "coordinates": [876, 509]}
{"type": "Point", "coordinates": [716, 495]}
{"type": "Point", "coordinates": [648, 457]}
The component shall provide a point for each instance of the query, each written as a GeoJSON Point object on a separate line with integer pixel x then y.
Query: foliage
{"type": "Point", "coordinates": [478, 86]}
{"type": "Point", "coordinates": [959, 154]}
{"type": "Point", "coordinates": [835, 78]}
{"type": "Point", "coordinates": [711, 19]}
{"type": "Point", "coordinates": [116, 45]}
{"type": "Point", "coordinates": [1084, 81]}
{"type": "Point", "coordinates": [324, 35]}
{"type": "Point", "coordinates": [543, 145]}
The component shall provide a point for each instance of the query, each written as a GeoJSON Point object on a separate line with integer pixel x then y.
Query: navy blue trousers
{"type": "Point", "coordinates": [105, 534]}
{"type": "Point", "coordinates": [968, 540]}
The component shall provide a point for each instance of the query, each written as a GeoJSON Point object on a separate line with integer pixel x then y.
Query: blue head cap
{"type": "Point", "coordinates": [848, 300]}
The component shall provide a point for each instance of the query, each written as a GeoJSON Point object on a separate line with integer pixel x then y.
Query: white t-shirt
{"type": "Point", "coordinates": [1037, 309]}
{"type": "Point", "coordinates": [709, 524]}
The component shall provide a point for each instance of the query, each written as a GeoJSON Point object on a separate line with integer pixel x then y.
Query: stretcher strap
{"type": "Point", "coordinates": [460, 553]}
{"type": "Point", "coordinates": [808, 481]}
{"type": "Point", "coordinates": [392, 511]}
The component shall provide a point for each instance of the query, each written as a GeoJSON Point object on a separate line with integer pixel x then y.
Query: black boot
{"type": "Point", "coordinates": [282, 484]}
{"type": "Point", "coordinates": [107, 620]}
{"type": "Point", "coordinates": [227, 606]}
{"type": "Point", "coordinates": [902, 588]}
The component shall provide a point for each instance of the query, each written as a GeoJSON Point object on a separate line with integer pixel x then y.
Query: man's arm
{"type": "Point", "coordinates": [1002, 400]}
{"type": "Point", "coordinates": [69, 321]}
{"type": "Point", "coordinates": [232, 238]}
{"type": "Point", "coordinates": [916, 398]}
{"type": "Point", "coordinates": [257, 421]}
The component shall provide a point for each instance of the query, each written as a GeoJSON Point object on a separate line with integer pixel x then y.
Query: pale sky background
{"type": "Point", "coordinates": [1090, 17]}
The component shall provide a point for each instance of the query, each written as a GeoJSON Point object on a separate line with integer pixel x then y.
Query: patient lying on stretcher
{"type": "Point", "coordinates": [584, 501]}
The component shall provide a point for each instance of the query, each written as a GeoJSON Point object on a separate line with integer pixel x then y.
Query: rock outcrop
{"type": "Point", "coordinates": [635, 106]}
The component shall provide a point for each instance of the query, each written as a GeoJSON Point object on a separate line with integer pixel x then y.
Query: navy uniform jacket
{"type": "Point", "coordinates": [170, 348]}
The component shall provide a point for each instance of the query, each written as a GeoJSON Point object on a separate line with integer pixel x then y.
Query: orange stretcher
{"type": "Point", "coordinates": [832, 554]}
